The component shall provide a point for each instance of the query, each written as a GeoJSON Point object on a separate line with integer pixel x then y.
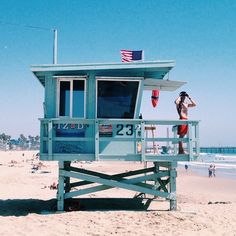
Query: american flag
{"type": "Point", "coordinates": [129, 55]}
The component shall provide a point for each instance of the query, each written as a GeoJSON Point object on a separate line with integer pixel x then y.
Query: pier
{"type": "Point", "coordinates": [221, 150]}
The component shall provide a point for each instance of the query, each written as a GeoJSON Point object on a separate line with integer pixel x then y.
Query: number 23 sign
{"type": "Point", "coordinates": [124, 130]}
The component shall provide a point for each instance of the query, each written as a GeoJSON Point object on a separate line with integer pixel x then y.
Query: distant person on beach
{"type": "Point", "coordinates": [210, 171]}
{"type": "Point", "coordinates": [214, 170]}
{"type": "Point", "coordinates": [182, 109]}
{"type": "Point", "coordinates": [186, 167]}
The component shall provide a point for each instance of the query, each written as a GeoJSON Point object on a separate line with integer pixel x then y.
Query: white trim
{"type": "Point", "coordinates": [96, 99]}
{"type": "Point", "coordinates": [57, 97]}
{"type": "Point", "coordinates": [71, 80]}
{"type": "Point", "coordinates": [71, 97]}
{"type": "Point", "coordinates": [119, 78]}
{"type": "Point", "coordinates": [162, 85]}
{"type": "Point", "coordinates": [70, 77]}
{"type": "Point", "coordinates": [133, 79]}
{"type": "Point", "coordinates": [85, 96]}
{"type": "Point", "coordinates": [137, 99]}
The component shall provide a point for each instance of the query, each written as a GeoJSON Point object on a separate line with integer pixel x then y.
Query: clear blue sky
{"type": "Point", "coordinates": [199, 35]}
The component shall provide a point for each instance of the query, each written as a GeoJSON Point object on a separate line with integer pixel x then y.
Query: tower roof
{"type": "Point", "coordinates": [153, 72]}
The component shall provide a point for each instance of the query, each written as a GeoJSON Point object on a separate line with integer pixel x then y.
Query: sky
{"type": "Point", "coordinates": [198, 35]}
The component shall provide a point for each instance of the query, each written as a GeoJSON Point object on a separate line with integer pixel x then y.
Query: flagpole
{"type": "Point", "coordinates": [38, 28]}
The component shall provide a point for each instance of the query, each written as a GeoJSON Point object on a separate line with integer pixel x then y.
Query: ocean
{"type": "Point", "coordinates": [225, 164]}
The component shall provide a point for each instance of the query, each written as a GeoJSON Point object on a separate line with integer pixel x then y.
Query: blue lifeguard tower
{"type": "Point", "coordinates": [91, 113]}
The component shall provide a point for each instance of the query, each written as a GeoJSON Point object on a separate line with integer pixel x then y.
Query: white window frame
{"type": "Point", "coordinates": [70, 79]}
{"type": "Point", "coordinates": [125, 79]}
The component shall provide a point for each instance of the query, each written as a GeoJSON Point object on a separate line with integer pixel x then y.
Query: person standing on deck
{"type": "Point", "coordinates": [182, 109]}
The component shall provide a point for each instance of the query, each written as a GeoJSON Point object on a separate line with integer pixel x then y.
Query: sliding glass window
{"type": "Point", "coordinates": [64, 98]}
{"type": "Point", "coordinates": [116, 99]}
{"type": "Point", "coordinates": [72, 98]}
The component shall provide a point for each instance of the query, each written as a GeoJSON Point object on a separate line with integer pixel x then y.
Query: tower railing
{"type": "Point", "coordinates": [67, 139]}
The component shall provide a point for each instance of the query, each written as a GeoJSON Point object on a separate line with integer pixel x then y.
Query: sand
{"type": "Point", "coordinates": [206, 206]}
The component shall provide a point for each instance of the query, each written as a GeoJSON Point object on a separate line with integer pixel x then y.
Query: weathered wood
{"type": "Point", "coordinates": [135, 181]}
{"type": "Point", "coordinates": [128, 142]}
{"type": "Point", "coordinates": [173, 201]}
{"type": "Point", "coordinates": [67, 179]}
{"type": "Point", "coordinates": [110, 181]}
{"type": "Point", "coordinates": [115, 183]}
{"type": "Point", "coordinates": [60, 190]}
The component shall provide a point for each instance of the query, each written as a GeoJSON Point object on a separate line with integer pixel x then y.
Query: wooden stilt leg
{"type": "Point", "coordinates": [156, 170]}
{"type": "Point", "coordinates": [60, 190]}
{"type": "Point", "coordinates": [173, 174]}
{"type": "Point", "coordinates": [67, 179]}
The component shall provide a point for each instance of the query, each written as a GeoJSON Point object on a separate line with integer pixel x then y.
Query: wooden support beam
{"type": "Point", "coordinates": [166, 164]}
{"type": "Point", "coordinates": [102, 175]}
{"type": "Point", "coordinates": [165, 182]}
{"type": "Point", "coordinates": [67, 179]}
{"type": "Point", "coordinates": [173, 202]}
{"type": "Point", "coordinates": [135, 181]}
{"type": "Point", "coordinates": [119, 184]}
{"type": "Point", "coordinates": [60, 190]}
{"type": "Point", "coordinates": [117, 177]}
{"type": "Point", "coordinates": [162, 185]}
{"type": "Point", "coordinates": [124, 174]}
{"type": "Point", "coordinates": [105, 181]}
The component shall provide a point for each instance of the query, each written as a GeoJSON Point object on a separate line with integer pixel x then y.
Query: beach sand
{"type": "Point", "coordinates": [206, 206]}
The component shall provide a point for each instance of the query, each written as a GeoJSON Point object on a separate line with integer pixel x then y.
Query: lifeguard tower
{"type": "Point", "coordinates": [91, 113]}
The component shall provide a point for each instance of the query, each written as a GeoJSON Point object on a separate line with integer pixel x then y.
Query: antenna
{"type": "Point", "coordinates": [39, 28]}
{"type": "Point", "coordinates": [55, 47]}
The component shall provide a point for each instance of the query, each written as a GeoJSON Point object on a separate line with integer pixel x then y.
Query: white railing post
{"type": "Point", "coordinates": [143, 144]}
{"type": "Point", "coordinates": [50, 137]}
{"type": "Point", "coordinates": [174, 129]}
{"type": "Point", "coordinates": [190, 141]}
{"type": "Point", "coordinates": [197, 139]}
{"type": "Point", "coordinates": [41, 136]}
{"type": "Point", "coordinates": [96, 128]}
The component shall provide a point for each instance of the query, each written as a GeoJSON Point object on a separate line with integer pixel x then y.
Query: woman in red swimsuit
{"type": "Point", "coordinates": [182, 109]}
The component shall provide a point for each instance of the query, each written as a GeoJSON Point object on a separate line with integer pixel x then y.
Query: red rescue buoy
{"type": "Point", "coordinates": [155, 97]}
